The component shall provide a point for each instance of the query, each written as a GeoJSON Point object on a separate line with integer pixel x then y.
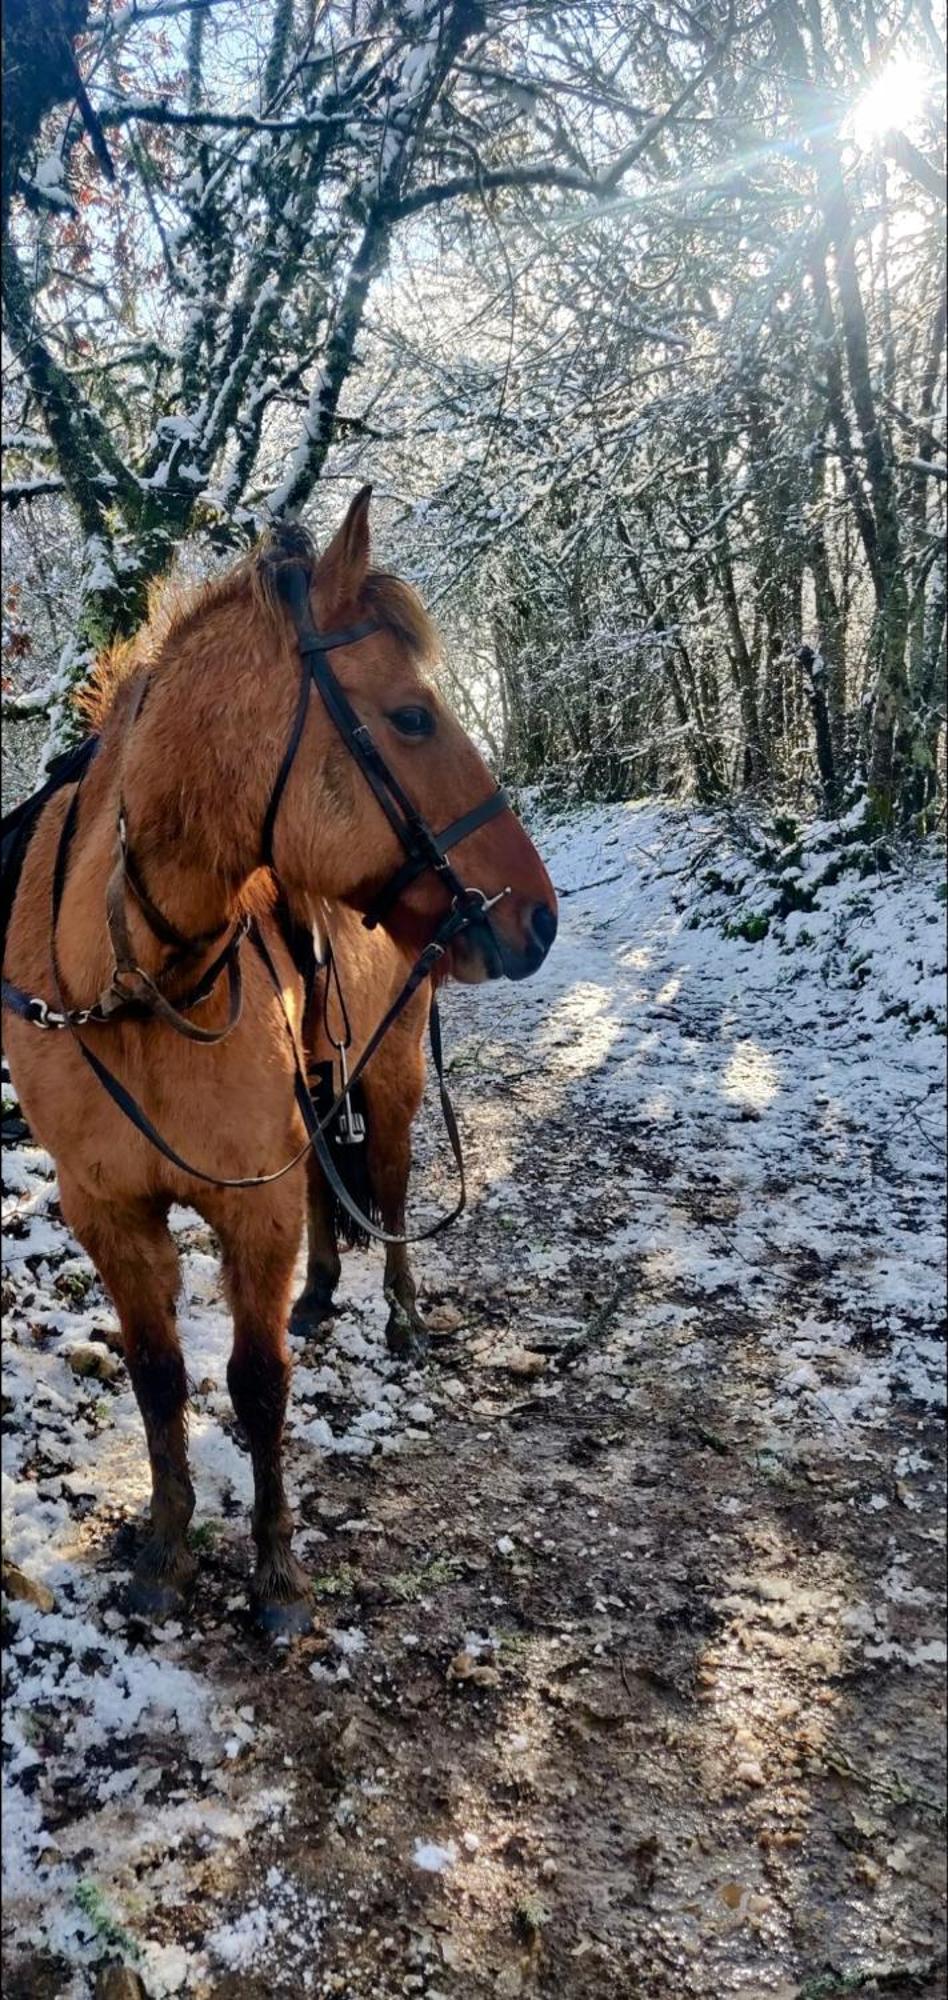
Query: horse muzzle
{"type": "Point", "coordinates": [487, 951]}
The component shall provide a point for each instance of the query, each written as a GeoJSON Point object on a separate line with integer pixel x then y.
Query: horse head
{"type": "Point", "coordinates": [350, 844]}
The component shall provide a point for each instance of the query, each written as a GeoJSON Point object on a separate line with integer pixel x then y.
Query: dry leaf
{"type": "Point", "coordinates": [520, 1361]}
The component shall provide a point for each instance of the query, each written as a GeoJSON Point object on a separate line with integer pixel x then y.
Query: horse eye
{"type": "Point", "coordinates": [413, 721]}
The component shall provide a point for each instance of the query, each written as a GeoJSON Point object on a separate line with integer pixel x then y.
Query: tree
{"type": "Point", "coordinates": [719, 424]}
{"type": "Point", "coordinates": [160, 325]}
{"type": "Point", "coordinates": [634, 314]}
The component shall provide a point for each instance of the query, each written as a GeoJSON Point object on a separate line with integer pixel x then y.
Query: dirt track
{"type": "Point", "coordinates": [630, 1625]}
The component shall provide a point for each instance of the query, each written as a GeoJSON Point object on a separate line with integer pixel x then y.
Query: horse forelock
{"type": "Point", "coordinates": [394, 604]}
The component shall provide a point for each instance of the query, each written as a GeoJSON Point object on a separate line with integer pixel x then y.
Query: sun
{"type": "Point", "coordinates": [892, 102]}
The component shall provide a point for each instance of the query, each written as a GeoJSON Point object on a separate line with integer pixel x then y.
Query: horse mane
{"type": "Point", "coordinates": [175, 606]}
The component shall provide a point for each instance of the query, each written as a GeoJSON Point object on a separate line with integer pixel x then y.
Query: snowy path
{"type": "Point", "coordinates": [631, 1675]}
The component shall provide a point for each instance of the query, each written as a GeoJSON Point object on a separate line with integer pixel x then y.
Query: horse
{"type": "Point", "coordinates": [225, 801]}
{"type": "Point", "coordinates": [371, 969]}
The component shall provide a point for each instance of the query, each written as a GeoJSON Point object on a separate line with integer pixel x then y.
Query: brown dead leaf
{"type": "Point", "coordinates": [26, 1589]}
{"type": "Point", "coordinates": [521, 1362]}
{"type": "Point", "coordinates": [467, 1667]}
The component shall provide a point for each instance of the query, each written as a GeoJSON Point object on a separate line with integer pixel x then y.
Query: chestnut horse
{"type": "Point", "coordinates": [194, 726]}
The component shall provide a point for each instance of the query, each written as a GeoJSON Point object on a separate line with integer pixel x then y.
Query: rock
{"type": "Point", "coordinates": [25, 1589]}
{"type": "Point", "coordinates": [509, 1983]}
{"type": "Point", "coordinates": [749, 1772]}
{"type": "Point", "coordinates": [118, 1982]}
{"type": "Point", "coordinates": [444, 1320]}
{"type": "Point", "coordinates": [368, 1593]}
{"type": "Point", "coordinates": [89, 1359]}
{"type": "Point", "coordinates": [461, 1666]}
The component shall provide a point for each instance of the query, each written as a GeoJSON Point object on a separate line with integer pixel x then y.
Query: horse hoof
{"type": "Point", "coordinates": [283, 1620]}
{"type": "Point", "coordinates": [406, 1335]}
{"type": "Point", "coordinates": [405, 1340]}
{"type": "Point", "coordinates": [155, 1598]}
{"type": "Point", "coordinates": [309, 1315]}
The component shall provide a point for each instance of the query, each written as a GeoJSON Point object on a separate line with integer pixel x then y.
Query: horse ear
{"type": "Point", "coordinates": [342, 569]}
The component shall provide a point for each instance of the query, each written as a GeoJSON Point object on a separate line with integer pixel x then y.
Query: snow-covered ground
{"type": "Point", "coordinates": [707, 1193]}
{"type": "Point", "coordinates": [802, 1074]}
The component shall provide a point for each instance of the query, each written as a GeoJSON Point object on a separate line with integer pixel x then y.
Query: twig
{"type": "Point", "coordinates": [582, 887]}
{"type": "Point", "coordinates": [594, 1329]}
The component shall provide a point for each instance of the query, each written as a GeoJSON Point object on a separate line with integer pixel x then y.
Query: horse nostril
{"type": "Point", "coordinates": [543, 926]}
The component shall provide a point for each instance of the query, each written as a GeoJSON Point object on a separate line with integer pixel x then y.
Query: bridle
{"type": "Point", "coordinates": [134, 993]}
{"type": "Point", "coordinates": [423, 848]}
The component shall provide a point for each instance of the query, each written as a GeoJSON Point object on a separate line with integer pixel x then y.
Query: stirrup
{"type": "Point", "coordinates": [350, 1125]}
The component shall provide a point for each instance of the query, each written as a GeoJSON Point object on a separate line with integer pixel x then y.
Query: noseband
{"type": "Point", "coordinates": [132, 992]}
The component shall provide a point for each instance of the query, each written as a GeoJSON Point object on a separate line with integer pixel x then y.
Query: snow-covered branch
{"type": "Point", "coordinates": [16, 490]}
{"type": "Point", "coordinates": [24, 707]}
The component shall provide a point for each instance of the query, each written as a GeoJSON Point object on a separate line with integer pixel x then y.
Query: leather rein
{"type": "Point", "coordinates": [135, 993]}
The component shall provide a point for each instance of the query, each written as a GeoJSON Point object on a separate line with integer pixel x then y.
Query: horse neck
{"type": "Point", "coordinates": [198, 759]}
{"type": "Point", "coordinates": [187, 800]}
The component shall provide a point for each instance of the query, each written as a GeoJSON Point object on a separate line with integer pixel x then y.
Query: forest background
{"type": "Point", "coordinates": [633, 313]}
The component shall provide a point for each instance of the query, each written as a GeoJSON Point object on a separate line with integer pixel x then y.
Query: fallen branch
{"type": "Point", "coordinates": [21, 707]}
{"type": "Point", "coordinates": [595, 1329]}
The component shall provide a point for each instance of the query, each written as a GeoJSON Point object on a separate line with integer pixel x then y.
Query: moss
{"type": "Point", "coordinates": [411, 1584]}
{"type": "Point", "coordinates": [108, 1932]}
{"type": "Point", "coordinates": [751, 928]}
{"type": "Point", "coordinates": [339, 1582]}
{"type": "Point", "coordinates": [205, 1535]}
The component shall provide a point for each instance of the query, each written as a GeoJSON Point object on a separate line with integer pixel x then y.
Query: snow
{"type": "Point", "coordinates": [432, 1859]}
{"type": "Point", "coordinates": [777, 1109]}
{"type": "Point", "coordinates": [49, 178]}
{"type": "Point", "coordinates": [777, 1074]}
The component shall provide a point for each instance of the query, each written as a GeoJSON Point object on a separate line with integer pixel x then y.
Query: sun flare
{"type": "Point", "coordinates": [892, 102]}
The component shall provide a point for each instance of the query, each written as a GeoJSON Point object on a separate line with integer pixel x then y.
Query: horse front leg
{"type": "Point", "coordinates": [135, 1255]}
{"type": "Point", "coordinates": [406, 1334]}
{"type": "Point", "coordinates": [259, 1244]}
{"type": "Point", "coordinates": [323, 1266]}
